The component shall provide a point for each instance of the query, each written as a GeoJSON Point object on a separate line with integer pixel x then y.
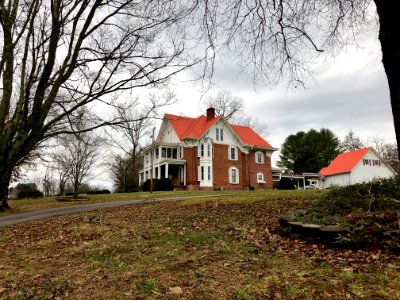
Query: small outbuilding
{"type": "Point", "coordinates": [357, 166]}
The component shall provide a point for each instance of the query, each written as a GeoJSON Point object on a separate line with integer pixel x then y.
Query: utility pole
{"type": "Point", "coordinates": [152, 160]}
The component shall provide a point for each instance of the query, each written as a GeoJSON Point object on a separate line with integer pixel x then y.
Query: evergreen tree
{"type": "Point", "coordinates": [310, 151]}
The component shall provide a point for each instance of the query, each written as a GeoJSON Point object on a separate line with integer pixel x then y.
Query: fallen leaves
{"type": "Point", "coordinates": [200, 251]}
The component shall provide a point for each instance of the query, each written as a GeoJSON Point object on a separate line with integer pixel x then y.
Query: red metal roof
{"type": "Point", "coordinates": [345, 162]}
{"type": "Point", "coordinates": [190, 127]}
{"type": "Point", "coordinates": [186, 127]}
{"type": "Point", "coordinates": [250, 137]}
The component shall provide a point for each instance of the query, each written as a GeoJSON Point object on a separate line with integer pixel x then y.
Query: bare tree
{"type": "Point", "coordinates": [76, 155]}
{"type": "Point", "coordinates": [232, 108]}
{"type": "Point", "coordinates": [279, 39]}
{"type": "Point", "coordinates": [124, 172]}
{"type": "Point", "coordinates": [57, 56]}
{"type": "Point", "coordinates": [388, 151]}
{"type": "Point", "coordinates": [48, 182]}
{"type": "Point", "coordinates": [351, 142]}
{"type": "Point", "coordinates": [125, 137]}
{"type": "Point", "coordinates": [226, 104]}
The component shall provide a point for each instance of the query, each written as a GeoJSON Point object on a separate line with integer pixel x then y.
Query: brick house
{"type": "Point", "coordinates": [208, 153]}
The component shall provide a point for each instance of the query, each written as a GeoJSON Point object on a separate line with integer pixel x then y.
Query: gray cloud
{"type": "Point", "coordinates": [350, 92]}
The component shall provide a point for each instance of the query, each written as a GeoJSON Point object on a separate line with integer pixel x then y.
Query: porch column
{"type": "Point", "coordinates": [166, 170]}
{"type": "Point", "coordinates": [159, 172]}
{"type": "Point", "coordinates": [184, 174]}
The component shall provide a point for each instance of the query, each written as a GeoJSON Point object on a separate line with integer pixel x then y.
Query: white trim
{"type": "Point", "coordinates": [262, 179]}
{"type": "Point", "coordinates": [235, 154]}
{"type": "Point", "coordinates": [256, 157]}
{"type": "Point", "coordinates": [231, 175]}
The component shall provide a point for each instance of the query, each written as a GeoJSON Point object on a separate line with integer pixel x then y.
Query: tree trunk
{"type": "Point", "coordinates": [5, 178]}
{"type": "Point", "coordinates": [389, 36]}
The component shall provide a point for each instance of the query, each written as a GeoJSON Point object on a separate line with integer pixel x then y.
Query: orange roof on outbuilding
{"type": "Point", "coordinates": [345, 162]}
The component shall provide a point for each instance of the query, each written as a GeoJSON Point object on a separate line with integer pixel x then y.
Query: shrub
{"type": "Point", "coordinates": [27, 190]}
{"type": "Point", "coordinates": [286, 184]}
{"type": "Point", "coordinates": [98, 192]}
{"type": "Point", "coordinates": [164, 184]}
{"type": "Point", "coordinates": [377, 195]}
{"type": "Point", "coordinates": [146, 185]}
{"type": "Point", "coordinates": [133, 190]}
{"type": "Point", "coordinates": [21, 194]}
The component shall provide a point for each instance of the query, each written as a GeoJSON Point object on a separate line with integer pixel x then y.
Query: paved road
{"type": "Point", "coordinates": [58, 211]}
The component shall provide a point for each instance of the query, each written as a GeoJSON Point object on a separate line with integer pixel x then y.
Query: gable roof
{"type": "Point", "coordinates": [345, 162]}
{"type": "Point", "coordinates": [186, 127]}
{"type": "Point", "coordinates": [194, 128]}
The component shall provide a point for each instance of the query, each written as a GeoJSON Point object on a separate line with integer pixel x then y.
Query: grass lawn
{"type": "Point", "coordinates": [30, 204]}
{"type": "Point", "coordinates": [216, 248]}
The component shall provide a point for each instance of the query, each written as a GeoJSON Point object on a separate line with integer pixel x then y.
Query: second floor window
{"type": "Point", "coordinates": [232, 153]}
{"type": "Point", "coordinates": [180, 152]}
{"type": "Point", "coordinates": [259, 157]}
{"type": "Point", "coordinates": [204, 150]}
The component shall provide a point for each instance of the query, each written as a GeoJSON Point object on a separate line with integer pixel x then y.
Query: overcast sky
{"type": "Point", "coordinates": [349, 91]}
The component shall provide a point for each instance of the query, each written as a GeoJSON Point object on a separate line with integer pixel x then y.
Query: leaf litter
{"type": "Point", "coordinates": [205, 250]}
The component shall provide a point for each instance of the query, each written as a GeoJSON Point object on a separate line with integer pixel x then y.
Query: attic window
{"type": "Point", "coordinates": [371, 162]}
{"type": "Point", "coordinates": [219, 134]}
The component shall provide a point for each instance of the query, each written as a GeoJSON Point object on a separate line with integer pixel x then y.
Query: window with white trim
{"type": "Point", "coordinates": [219, 134]}
{"type": "Point", "coordinates": [259, 157]}
{"type": "Point", "coordinates": [180, 151]}
{"type": "Point", "coordinates": [233, 175]}
{"type": "Point", "coordinates": [260, 178]}
{"type": "Point", "coordinates": [201, 173]}
{"type": "Point", "coordinates": [209, 173]}
{"type": "Point", "coordinates": [232, 153]}
{"type": "Point", "coordinates": [204, 150]}
{"type": "Point", "coordinates": [200, 150]}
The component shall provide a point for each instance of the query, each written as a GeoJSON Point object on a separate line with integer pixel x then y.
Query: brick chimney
{"type": "Point", "coordinates": [210, 113]}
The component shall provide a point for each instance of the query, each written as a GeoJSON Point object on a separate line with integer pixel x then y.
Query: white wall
{"type": "Point", "coordinates": [230, 137]}
{"type": "Point", "coordinates": [340, 179]}
{"type": "Point", "coordinates": [363, 172]}
{"type": "Point", "coordinates": [167, 134]}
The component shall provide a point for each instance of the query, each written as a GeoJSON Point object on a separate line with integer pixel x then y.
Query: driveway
{"type": "Point", "coordinates": [52, 212]}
